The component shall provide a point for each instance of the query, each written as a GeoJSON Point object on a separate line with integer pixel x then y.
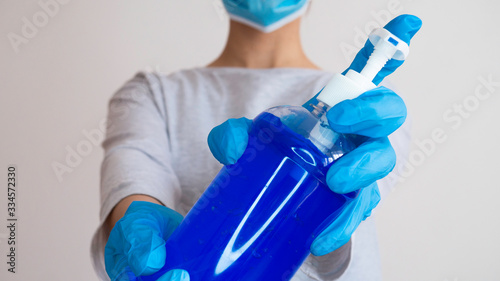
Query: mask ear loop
{"type": "Point", "coordinates": [308, 8]}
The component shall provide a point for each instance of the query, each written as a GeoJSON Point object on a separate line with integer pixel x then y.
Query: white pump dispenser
{"type": "Point", "coordinates": [386, 46]}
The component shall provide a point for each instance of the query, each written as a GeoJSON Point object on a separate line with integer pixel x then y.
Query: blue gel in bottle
{"type": "Point", "coordinates": [259, 217]}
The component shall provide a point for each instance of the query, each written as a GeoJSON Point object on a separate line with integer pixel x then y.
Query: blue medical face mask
{"type": "Point", "coordinates": [265, 15]}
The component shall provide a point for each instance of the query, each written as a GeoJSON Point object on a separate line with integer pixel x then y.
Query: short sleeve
{"type": "Point", "coordinates": [137, 155]}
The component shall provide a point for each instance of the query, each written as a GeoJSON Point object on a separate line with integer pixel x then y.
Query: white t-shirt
{"type": "Point", "coordinates": [156, 144]}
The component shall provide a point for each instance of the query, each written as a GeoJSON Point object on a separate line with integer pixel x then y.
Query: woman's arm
{"type": "Point", "coordinates": [137, 160]}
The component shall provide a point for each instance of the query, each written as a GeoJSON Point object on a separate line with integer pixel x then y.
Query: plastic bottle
{"type": "Point", "coordinates": [259, 217]}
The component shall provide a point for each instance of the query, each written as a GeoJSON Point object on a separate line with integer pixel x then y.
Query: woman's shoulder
{"type": "Point", "coordinates": [210, 71]}
{"type": "Point", "coordinates": [156, 78]}
{"type": "Point", "coordinates": [202, 79]}
{"type": "Point", "coordinates": [157, 83]}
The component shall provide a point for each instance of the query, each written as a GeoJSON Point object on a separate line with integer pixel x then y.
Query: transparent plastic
{"type": "Point", "coordinates": [259, 217]}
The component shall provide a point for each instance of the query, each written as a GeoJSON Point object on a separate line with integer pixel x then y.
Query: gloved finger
{"type": "Point", "coordinates": [228, 141]}
{"type": "Point", "coordinates": [147, 253]}
{"type": "Point", "coordinates": [175, 275]}
{"type": "Point", "coordinates": [376, 113]}
{"type": "Point", "coordinates": [147, 232]}
{"type": "Point", "coordinates": [374, 199]}
{"type": "Point", "coordinates": [137, 242]}
{"type": "Point", "coordinates": [340, 231]}
{"type": "Point", "coordinates": [404, 27]}
{"type": "Point", "coordinates": [137, 245]}
{"type": "Point", "coordinates": [371, 161]}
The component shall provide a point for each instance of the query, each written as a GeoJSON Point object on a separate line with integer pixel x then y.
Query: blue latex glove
{"type": "Point", "coordinates": [137, 242]}
{"type": "Point", "coordinates": [374, 114]}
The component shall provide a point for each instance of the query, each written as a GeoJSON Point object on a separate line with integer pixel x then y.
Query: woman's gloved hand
{"type": "Point", "coordinates": [374, 114]}
{"type": "Point", "coordinates": [137, 242]}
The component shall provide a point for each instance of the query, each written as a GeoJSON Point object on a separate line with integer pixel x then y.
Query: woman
{"type": "Point", "coordinates": [156, 154]}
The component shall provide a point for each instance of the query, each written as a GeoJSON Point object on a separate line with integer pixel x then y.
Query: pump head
{"type": "Point", "coordinates": [386, 46]}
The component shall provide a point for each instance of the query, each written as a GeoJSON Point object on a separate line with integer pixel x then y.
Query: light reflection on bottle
{"type": "Point", "coordinates": [229, 255]}
{"type": "Point", "coordinates": [304, 155]}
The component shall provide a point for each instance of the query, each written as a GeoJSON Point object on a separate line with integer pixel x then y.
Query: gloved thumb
{"type": "Point", "coordinates": [404, 27]}
{"type": "Point", "coordinates": [228, 141]}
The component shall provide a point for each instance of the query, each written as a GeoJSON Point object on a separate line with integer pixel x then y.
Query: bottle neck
{"type": "Point", "coordinates": [318, 109]}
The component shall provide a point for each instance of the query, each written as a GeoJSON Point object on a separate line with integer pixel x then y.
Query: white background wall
{"type": "Point", "coordinates": [441, 223]}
